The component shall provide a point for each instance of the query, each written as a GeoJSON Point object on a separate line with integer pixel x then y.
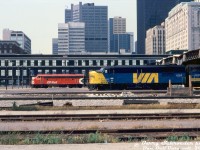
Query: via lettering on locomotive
{"type": "Point", "coordinates": [145, 78]}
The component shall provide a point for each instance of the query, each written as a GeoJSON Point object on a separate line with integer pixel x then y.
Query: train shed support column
{"type": "Point", "coordinates": [163, 62]}
{"type": "Point", "coordinates": [199, 53]}
{"type": "Point", "coordinates": [173, 60]}
{"type": "Point", "coordinates": [184, 57]}
{"type": "Point", "coordinates": [190, 83]}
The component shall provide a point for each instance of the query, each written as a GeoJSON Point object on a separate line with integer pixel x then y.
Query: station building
{"type": "Point", "coordinates": [19, 69]}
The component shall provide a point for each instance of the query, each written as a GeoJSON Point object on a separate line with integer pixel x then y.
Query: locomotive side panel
{"type": "Point", "coordinates": [62, 80]}
{"type": "Point", "coordinates": [194, 72]}
{"type": "Point", "coordinates": [137, 77]}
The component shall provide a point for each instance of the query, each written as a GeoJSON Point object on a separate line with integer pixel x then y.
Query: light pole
{"type": "Point", "coordinates": [118, 44]}
{"type": "Point", "coordinates": [12, 76]}
{"type": "Point", "coordinates": [22, 77]}
{"type": "Point", "coordinates": [29, 76]}
{"type": "Point", "coordinates": [6, 72]}
{"type": "Point", "coordinates": [12, 73]}
{"type": "Point", "coordinates": [18, 76]}
{"type": "Point", "coordinates": [26, 76]}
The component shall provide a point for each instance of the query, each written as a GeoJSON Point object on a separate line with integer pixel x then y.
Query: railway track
{"type": "Point", "coordinates": [78, 91]}
{"type": "Point", "coordinates": [121, 134]}
{"type": "Point", "coordinates": [94, 117]}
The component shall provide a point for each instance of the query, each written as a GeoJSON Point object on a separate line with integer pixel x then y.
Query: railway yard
{"type": "Point", "coordinates": [77, 116]}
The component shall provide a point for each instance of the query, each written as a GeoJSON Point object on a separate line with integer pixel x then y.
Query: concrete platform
{"type": "Point", "coordinates": [97, 125]}
{"type": "Point", "coordinates": [77, 112]}
{"type": "Point", "coordinates": [118, 146]}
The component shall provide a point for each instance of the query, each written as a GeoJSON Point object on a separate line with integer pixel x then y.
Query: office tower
{"type": "Point", "coordinates": [119, 39]}
{"type": "Point", "coordinates": [131, 42]}
{"type": "Point", "coordinates": [55, 46]}
{"type": "Point", "coordinates": [149, 14]}
{"type": "Point", "coordinates": [22, 39]}
{"type": "Point", "coordinates": [119, 25]}
{"type": "Point", "coordinates": [71, 38]}
{"type": "Point", "coordinates": [68, 14]}
{"type": "Point", "coordinates": [135, 46]}
{"type": "Point", "coordinates": [183, 27]}
{"type": "Point", "coordinates": [96, 25]}
{"type": "Point", "coordinates": [155, 40]}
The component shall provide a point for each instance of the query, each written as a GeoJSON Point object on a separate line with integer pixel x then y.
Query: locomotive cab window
{"type": "Point", "coordinates": [101, 70]}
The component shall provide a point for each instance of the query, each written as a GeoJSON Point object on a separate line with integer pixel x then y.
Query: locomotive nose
{"type": "Point", "coordinates": [81, 81]}
{"type": "Point", "coordinates": [92, 75]}
{"type": "Point", "coordinates": [33, 80]}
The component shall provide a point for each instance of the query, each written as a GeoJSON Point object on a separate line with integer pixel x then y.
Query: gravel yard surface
{"type": "Point", "coordinates": [9, 103]}
{"type": "Point", "coordinates": [95, 102]}
{"type": "Point", "coordinates": [116, 102]}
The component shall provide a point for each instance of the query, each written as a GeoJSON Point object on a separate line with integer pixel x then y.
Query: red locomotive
{"type": "Point", "coordinates": [58, 80]}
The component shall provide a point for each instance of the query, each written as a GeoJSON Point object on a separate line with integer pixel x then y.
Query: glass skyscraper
{"type": "Point", "coordinates": [118, 37]}
{"type": "Point", "coordinates": [96, 25]}
{"type": "Point", "coordinates": [149, 14]}
{"type": "Point", "coordinates": [68, 14]}
{"type": "Point", "coordinates": [55, 46]}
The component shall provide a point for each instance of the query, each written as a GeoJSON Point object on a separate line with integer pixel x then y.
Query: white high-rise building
{"type": "Point", "coordinates": [155, 40]}
{"type": "Point", "coordinates": [182, 27]}
{"type": "Point", "coordinates": [71, 38]}
{"type": "Point", "coordinates": [119, 25]}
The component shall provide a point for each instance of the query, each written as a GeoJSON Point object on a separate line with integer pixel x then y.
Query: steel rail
{"type": "Point", "coordinates": [89, 117]}
{"type": "Point", "coordinates": [57, 91]}
{"type": "Point", "coordinates": [85, 92]}
{"type": "Point", "coordinates": [97, 98]}
{"type": "Point", "coordinates": [122, 134]}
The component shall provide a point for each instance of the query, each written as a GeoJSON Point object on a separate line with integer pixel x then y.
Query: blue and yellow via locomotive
{"type": "Point", "coordinates": [141, 77]}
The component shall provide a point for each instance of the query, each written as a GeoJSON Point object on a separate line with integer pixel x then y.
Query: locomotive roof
{"type": "Point", "coordinates": [60, 75]}
{"type": "Point", "coordinates": [145, 66]}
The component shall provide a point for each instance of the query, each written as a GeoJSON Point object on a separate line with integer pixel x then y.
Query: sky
{"type": "Point", "coordinates": [39, 19]}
